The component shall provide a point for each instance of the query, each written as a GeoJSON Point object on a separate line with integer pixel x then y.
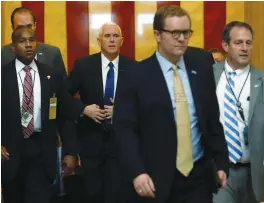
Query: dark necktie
{"type": "Point", "coordinates": [110, 84]}
{"type": "Point", "coordinates": [28, 102]}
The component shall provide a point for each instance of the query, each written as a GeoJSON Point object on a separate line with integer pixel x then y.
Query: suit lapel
{"type": "Point", "coordinates": [121, 71]}
{"type": "Point", "coordinates": [13, 87]}
{"type": "Point", "coordinates": [218, 70]}
{"type": "Point", "coordinates": [193, 75]}
{"type": "Point", "coordinates": [159, 84]}
{"type": "Point", "coordinates": [40, 54]}
{"type": "Point", "coordinates": [98, 79]}
{"type": "Point", "coordinates": [255, 86]}
{"type": "Point", "coordinates": [45, 93]}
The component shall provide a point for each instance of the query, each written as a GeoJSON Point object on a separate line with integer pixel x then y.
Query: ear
{"type": "Point", "coordinates": [225, 46]}
{"type": "Point", "coordinates": [99, 41]}
{"type": "Point", "coordinates": [35, 25]}
{"type": "Point", "coordinates": [122, 40]}
{"type": "Point", "coordinates": [13, 48]}
{"type": "Point", "coordinates": [157, 35]}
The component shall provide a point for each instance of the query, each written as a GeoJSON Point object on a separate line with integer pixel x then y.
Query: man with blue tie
{"type": "Point", "coordinates": [97, 78]}
{"type": "Point", "coordinates": [240, 93]}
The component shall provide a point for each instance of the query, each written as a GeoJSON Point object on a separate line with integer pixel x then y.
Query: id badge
{"type": "Point", "coordinates": [53, 107]}
{"type": "Point", "coordinates": [26, 118]}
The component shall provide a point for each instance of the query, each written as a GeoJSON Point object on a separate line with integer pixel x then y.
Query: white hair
{"type": "Point", "coordinates": [108, 23]}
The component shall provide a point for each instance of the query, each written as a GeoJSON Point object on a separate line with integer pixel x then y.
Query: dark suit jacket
{"type": "Point", "coordinates": [86, 78]}
{"type": "Point", "coordinates": [145, 126]}
{"type": "Point", "coordinates": [12, 137]}
{"type": "Point", "coordinates": [47, 54]}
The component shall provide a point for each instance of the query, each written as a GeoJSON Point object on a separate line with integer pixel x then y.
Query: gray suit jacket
{"type": "Point", "coordinates": [256, 127]}
{"type": "Point", "coordinates": [46, 54]}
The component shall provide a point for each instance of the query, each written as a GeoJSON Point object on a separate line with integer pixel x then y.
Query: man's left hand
{"type": "Point", "coordinates": [69, 164]}
{"type": "Point", "coordinates": [222, 178]}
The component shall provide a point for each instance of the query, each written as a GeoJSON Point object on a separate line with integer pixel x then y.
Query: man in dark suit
{"type": "Point", "coordinates": [35, 103]}
{"type": "Point", "coordinates": [47, 54]}
{"type": "Point", "coordinates": [166, 120]}
{"type": "Point", "coordinates": [97, 79]}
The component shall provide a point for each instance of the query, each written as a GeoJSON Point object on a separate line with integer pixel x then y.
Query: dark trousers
{"type": "Point", "coordinates": [31, 183]}
{"type": "Point", "coordinates": [73, 188]}
{"type": "Point", "coordinates": [194, 188]}
{"type": "Point", "coordinates": [101, 175]}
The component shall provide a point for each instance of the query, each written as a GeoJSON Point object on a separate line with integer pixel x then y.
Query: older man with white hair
{"type": "Point", "coordinates": [96, 78]}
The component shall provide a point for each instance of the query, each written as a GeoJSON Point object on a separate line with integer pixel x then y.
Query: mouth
{"type": "Point", "coordinates": [29, 52]}
{"type": "Point", "coordinates": [244, 55]}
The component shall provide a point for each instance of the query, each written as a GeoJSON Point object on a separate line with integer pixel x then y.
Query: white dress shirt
{"type": "Point", "coordinates": [239, 80]}
{"type": "Point", "coordinates": [36, 89]}
{"type": "Point", "coordinates": [105, 69]}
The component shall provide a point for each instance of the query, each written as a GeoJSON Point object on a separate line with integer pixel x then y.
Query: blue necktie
{"type": "Point", "coordinates": [231, 121]}
{"type": "Point", "coordinates": [110, 84]}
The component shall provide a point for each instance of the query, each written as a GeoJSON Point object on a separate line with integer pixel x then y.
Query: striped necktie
{"type": "Point", "coordinates": [28, 102]}
{"type": "Point", "coordinates": [231, 121]}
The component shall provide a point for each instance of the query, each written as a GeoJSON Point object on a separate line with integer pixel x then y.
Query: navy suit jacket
{"type": "Point", "coordinates": [86, 79]}
{"type": "Point", "coordinates": [145, 126]}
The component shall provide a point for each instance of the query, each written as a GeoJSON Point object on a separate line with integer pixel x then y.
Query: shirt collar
{"type": "Point", "coordinates": [239, 71]}
{"type": "Point", "coordinates": [20, 66]}
{"type": "Point", "coordinates": [105, 61]}
{"type": "Point", "coordinates": [166, 65]}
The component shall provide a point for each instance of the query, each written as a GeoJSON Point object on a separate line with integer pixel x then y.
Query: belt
{"type": "Point", "coordinates": [239, 164]}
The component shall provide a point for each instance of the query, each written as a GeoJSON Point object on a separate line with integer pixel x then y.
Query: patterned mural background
{"type": "Point", "coordinates": [73, 26]}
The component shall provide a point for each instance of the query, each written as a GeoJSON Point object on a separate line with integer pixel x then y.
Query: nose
{"type": "Point", "coordinates": [244, 47]}
{"type": "Point", "coordinates": [181, 37]}
{"type": "Point", "coordinates": [112, 38]}
{"type": "Point", "coordinates": [28, 43]}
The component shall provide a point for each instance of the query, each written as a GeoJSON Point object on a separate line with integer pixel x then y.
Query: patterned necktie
{"type": "Point", "coordinates": [109, 86]}
{"type": "Point", "coordinates": [231, 122]}
{"type": "Point", "coordinates": [28, 102]}
{"type": "Point", "coordinates": [184, 162]}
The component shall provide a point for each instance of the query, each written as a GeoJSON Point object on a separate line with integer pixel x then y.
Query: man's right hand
{"type": "Point", "coordinates": [144, 185]}
{"type": "Point", "coordinates": [95, 113]}
{"type": "Point", "coordinates": [4, 153]}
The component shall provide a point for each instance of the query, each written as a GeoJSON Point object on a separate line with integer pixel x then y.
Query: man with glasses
{"type": "Point", "coordinates": [240, 94]}
{"type": "Point", "coordinates": [166, 119]}
{"type": "Point", "coordinates": [97, 78]}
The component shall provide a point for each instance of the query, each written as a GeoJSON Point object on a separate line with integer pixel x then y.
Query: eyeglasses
{"type": "Point", "coordinates": [177, 33]}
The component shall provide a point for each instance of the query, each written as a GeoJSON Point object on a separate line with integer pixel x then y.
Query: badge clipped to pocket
{"type": "Point", "coordinates": [53, 107]}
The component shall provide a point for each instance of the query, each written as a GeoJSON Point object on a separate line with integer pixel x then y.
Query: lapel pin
{"type": "Point", "coordinates": [256, 85]}
{"type": "Point", "coordinates": [48, 77]}
{"type": "Point", "coordinates": [40, 53]}
{"type": "Point", "coordinates": [193, 72]}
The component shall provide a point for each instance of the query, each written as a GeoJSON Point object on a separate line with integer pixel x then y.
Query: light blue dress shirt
{"type": "Point", "coordinates": [166, 67]}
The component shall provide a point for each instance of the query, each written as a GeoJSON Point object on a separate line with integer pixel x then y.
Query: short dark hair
{"type": "Point", "coordinates": [17, 30]}
{"type": "Point", "coordinates": [22, 10]}
{"type": "Point", "coordinates": [231, 25]}
{"type": "Point", "coordinates": [168, 11]}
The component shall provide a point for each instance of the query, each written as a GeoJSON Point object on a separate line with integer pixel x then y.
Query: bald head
{"type": "Point", "coordinates": [16, 34]}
